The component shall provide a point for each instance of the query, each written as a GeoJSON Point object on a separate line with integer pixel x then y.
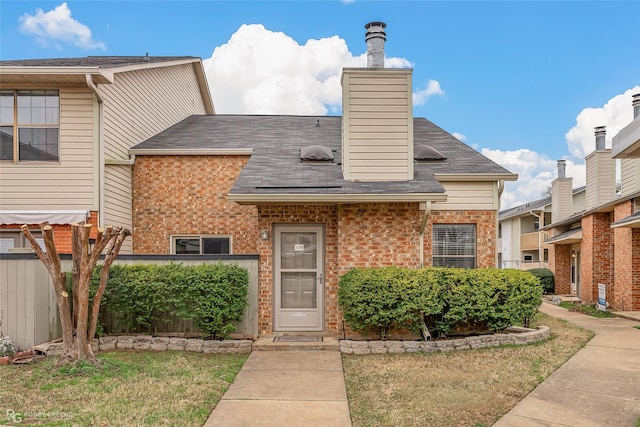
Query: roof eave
{"type": "Point", "coordinates": [191, 152]}
{"type": "Point", "coordinates": [476, 176]}
{"type": "Point", "coordinates": [99, 75]}
{"type": "Point", "coordinates": [252, 199]}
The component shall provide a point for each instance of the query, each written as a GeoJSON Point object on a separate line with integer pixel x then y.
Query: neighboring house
{"type": "Point", "coordinates": [520, 238]}
{"type": "Point", "coordinates": [316, 196]}
{"type": "Point", "coordinates": [601, 245]}
{"type": "Point", "coordinates": [66, 126]}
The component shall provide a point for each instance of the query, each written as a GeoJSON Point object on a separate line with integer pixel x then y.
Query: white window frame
{"type": "Point", "coordinates": [175, 237]}
{"type": "Point", "coordinates": [434, 243]}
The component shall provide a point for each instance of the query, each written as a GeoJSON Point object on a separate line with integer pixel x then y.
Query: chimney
{"type": "Point", "coordinates": [377, 117]}
{"type": "Point", "coordinates": [601, 173]}
{"type": "Point", "coordinates": [630, 167]}
{"type": "Point", "coordinates": [562, 168]}
{"type": "Point", "coordinates": [600, 133]}
{"type": "Point", "coordinates": [375, 39]}
{"type": "Point", "coordinates": [561, 194]}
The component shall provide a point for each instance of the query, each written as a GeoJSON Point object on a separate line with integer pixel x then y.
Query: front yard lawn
{"type": "Point", "coordinates": [128, 388]}
{"type": "Point", "coordinates": [461, 388]}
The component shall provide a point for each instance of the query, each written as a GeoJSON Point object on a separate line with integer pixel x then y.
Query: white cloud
{"type": "Point", "coordinates": [57, 26]}
{"type": "Point", "coordinates": [536, 171]}
{"type": "Point", "coordinates": [459, 136]}
{"type": "Point", "coordinates": [615, 115]}
{"type": "Point", "coordinates": [422, 96]}
{"type": "Point", "coordinates": [259, 71]}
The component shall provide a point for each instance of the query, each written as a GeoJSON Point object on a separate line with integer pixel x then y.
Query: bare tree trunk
{"type": "Point", "coordinates": [78, 329]}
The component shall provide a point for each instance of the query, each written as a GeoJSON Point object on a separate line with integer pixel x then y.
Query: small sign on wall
{"type": "Point", "coordinates": [298, 247]}
{"type": "Point", "coordinates": [602, 297]}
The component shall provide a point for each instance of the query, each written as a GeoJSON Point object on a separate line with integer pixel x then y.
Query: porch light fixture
{"type": "Point", "coordinates": [265, 234]}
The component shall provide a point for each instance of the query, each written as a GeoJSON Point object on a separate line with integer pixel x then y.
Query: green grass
{"type": "Point", "coordinates": [460, 388]}
{"type": "Point", "coordinates": [127, 388]}
{"type": "Point", "coordinates": [586, 309]}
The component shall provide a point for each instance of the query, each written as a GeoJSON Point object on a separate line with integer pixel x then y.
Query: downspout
{"type": "Point", "coordinates": [500, 191]}
{"type": "Point", "coordinates": [94, 88]}
{"type": "Point", "coordinates": [423, 225]}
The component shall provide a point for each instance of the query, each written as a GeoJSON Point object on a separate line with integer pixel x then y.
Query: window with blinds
{"type": "Point", "coordinates": [454, 245]}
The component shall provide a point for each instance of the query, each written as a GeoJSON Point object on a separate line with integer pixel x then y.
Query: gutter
{"type": "Point", "coordinates": [423, 226]}
{"type": "Point", "coordinates": [101, 150]}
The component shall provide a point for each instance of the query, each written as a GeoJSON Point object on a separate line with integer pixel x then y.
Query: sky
{"type": "Point", "coordinates": [523, 82]}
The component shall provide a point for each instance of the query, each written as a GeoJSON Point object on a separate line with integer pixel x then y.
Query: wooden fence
{"type": "Point", "coordinates": [28, 309]}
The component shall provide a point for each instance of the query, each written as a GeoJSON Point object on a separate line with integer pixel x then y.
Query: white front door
{"type": "Point", "coordinates": [298, 267]}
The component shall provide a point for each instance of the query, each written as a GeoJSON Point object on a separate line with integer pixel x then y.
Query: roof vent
{"type": "Point", "coordinates": [424, 152]}
{"type": "Point", "coordinates": [146, 57]}
{"type": "Point", "coordinates": [316, 153]}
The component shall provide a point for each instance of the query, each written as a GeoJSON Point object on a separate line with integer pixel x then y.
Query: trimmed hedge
{"type": "Point", "coordinates": [437, 299]}
{"type": "Point", "coordinates": [546, 278]}
{"type": "Point", "coordinates": [213, 296]}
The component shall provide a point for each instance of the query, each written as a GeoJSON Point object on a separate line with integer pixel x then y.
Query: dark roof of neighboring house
{"type": "Point", "coordinates": [530, 206]}
{"type": "Point", "coordinates": [633, 218]}
{"type": "Point", "coordinates": [93, 61]}
{"type": "Point", "coordinates": [275, 166]}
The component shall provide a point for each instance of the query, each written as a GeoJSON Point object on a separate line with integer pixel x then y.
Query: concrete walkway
{"type": "Point", "coordinates": [286, 388]}
{"type": "Point", "coordinates": [599, 386]}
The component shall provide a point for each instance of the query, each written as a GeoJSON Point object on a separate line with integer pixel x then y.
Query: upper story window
{"type": "Point", "coordinates": [454, 245]}
{"type": "Point", "coordinates": [29, 125]}
{"type": "Point", "coordinates": [200, 245]}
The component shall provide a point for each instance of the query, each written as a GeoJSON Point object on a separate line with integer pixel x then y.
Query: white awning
{"type": "Point", "coordinates": [38, 217]}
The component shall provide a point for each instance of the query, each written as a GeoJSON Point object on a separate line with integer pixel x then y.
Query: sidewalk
{"type": "Point", "coordinates": [286, 388]}
{"type": "Point", "coordinates": [599, 386]}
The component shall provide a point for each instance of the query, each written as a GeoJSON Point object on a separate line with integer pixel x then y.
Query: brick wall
{"type": "Point", "coordinates": [61, 232]}
{"type": "Point", "coordinates": [627, 262]}
{"type": "Point", "coordinates": [188, 195]}
{"type": "Point", "coordinates": [560, 265]}
{"type": "Point", "coordinates": [597, 257]}
{"type": "Point", "coordinates": [378, 235]}
{"type": "Point", "coordinates": [635, 268]}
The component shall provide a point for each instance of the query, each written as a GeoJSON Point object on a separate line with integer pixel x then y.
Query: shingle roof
{"type": "Point", "coordinates": [275, 166]}
{"type": "Point", "coordinates": [529, 206]}
{"type": "Point", "coordinates": [92, 61]}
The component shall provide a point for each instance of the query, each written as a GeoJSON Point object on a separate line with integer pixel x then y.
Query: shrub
{"type": "Point", "coordinates": [440, 299]}
{"type": "Point", "coordinates": [7, 348]}
{"type": "Point", "coordinates": [213, 296]}
{"type": "Point", "coordinates": [546, 279]}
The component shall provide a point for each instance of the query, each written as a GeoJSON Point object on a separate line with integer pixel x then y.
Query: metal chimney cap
{"type": "Point", "coordinates": [380, 24]}
{"type": "Point", "coordinates": [600, 129]}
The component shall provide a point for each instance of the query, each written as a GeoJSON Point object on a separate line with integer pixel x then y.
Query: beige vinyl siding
{"type": "Point", "coordinates": [117, 200]}
{"type": "Point", "coordinates": [516, 235]}
{"type": "Point", "coordinates": [138, 105]}
{"type": "Point", "coordinates": [561, 199]}
{"type": "Point", "coordinates": [377, 125]}
{"type": "Point", "coordinates": [67, 184]}
{"type": "Point", "coordinates": [142, 103]}
{"type": "Point", "coordinates": [465, 196]}
{"type": "Point", "coordinates": [630, 176]}
{"type": "Point", "coordinates": [601, 178]}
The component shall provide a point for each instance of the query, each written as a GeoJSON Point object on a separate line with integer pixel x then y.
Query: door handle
{"type": "Point", "coordinates": [319, 277]}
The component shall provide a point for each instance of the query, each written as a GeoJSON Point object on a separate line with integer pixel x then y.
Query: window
{"type": "Point", "coordinates": [15, 239]}
{"type": "Point", "coordinates": [454, 245]}
{"type": "Point", "coordinates": [200, 245]}
{"type": "Point", "coordinates": [29, 125]}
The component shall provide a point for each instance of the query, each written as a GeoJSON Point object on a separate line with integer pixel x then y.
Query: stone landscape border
{"type": "Point", "coordinates": [148, 342]}
{"type": "Point", "coordinates": [520, 336]}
